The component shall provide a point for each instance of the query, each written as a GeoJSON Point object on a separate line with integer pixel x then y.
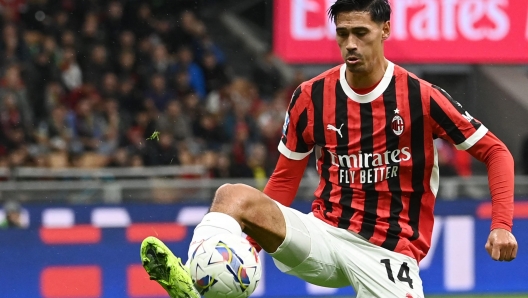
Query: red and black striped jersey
{"type": "Point", "coordinates": [375, 152]}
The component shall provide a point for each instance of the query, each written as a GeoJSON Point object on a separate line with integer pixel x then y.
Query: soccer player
{"type": "Point", "coordinates": [371, 125]}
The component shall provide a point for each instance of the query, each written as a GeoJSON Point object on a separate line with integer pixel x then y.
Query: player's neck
{"type": "Point", "coordinates": [367, 80]}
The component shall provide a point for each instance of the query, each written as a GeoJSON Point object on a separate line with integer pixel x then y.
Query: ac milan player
{"type": "Point", "coordinates": [371, 125]}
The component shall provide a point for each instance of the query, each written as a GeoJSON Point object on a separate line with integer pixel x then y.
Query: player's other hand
{"type": "Point", "coordinates": [501, 245]}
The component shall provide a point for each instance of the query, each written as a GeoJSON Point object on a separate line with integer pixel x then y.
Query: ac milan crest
{"type": "Point", "coordinates": [397, 125]}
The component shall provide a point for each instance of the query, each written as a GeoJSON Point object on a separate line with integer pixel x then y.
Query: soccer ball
{"type": "Point", "coordinates": [225, 266]}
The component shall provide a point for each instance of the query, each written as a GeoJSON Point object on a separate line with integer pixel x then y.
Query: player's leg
{"type": "Point", "coordinates": [297, 242]}
{"type": "Point", "coordinates": [309, 251]}
{"type": "Point", "coordinates": [377, 272]}
{"type": "Point", "coordinates": [238, 208]}
{"type": "Point", "coordinates": [235, 208]}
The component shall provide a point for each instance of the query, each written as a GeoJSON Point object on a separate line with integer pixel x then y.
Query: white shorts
{"type": "Point", "coordinates": [332, 257]}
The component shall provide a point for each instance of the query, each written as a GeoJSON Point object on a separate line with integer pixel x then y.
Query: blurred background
{"type": "Point", "coordinates": [119, 119]}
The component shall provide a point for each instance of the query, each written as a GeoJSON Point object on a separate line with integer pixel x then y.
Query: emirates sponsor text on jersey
{"type": "Point", "coordinates": [364, 167]}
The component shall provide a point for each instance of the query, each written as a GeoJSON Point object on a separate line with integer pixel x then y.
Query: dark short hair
{"type": "Point", "coordinates": [379, 10]}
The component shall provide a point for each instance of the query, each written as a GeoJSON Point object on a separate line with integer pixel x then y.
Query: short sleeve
{"type": "Point", "coordinates": [452, 122]}
{"type": "Point", "coordinates": [296, 138]}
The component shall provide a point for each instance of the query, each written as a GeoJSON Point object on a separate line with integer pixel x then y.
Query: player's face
{"type": "Point", "coordinates": [361, 40]}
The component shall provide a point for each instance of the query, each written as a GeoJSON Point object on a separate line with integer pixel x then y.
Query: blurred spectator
{"type": "Point", "coordinates": [219, 101]}
{"type": "Point", "coordinates": [98, 65]}
{"type": "Point", "coordinates": [86, 90]}
{"type": "Point", "coordinates": [161, 61]}
{"type": "Point", "coordinates": [245, 107]}
{"type": "Point", "coordinates": [54, 133]}
{"type": "Point", "coordinates": [43, 71]}
{"type": "Point", "coordinates": [187, 24]}
{"type": "Point", "coordinates": [90, 36]}
{"type": "Point", "coordinates": [257, 163]}
{"type": "Point", "coordinates": [209, 159]}
{"type": "Point", "coordinates": [215, 74]}
{"type": "Point", "coordinates": [12, 46]}
{"type": "Point", "coordinates": [203, 44]}
{"type": "Point", "coordinates": [224, 167]}
{"type": "Point", "coordinates": [61, 21]}
{"type": "Point", "coordinates": [163, 152]}
{"type": "Point", "coordinates": [11, 9]}
{"type": "Point", "coordinates": [13, 134]}
{"type": "Point", "coordinates": [240, 148]}
{"type": "Point", "coordinates": [109, 86]}
{"type": "Point", "coordinates": [130, 99]}
{"type": "Point", "coordinates": [51, 49]}
{"type": "Point", "coordinates": [182, 84]}
{"type": "Point", "coordinates": [192, 107]}
{"type": "Point", "coordinates": [11, 83]}
{"type": "Point", "coordinates": [137, 161]}
{"type": "Point", "coordinates": [114, 127]}
{"type": "Point", "coordinates": [137, 134]}
{"type": "Point", "coordinates": [186, 157]}
{"type": "Point", "coordinates": [127, 68]}
{"type": "Point", "coordinates": [175, 122]}
{"type": "Point", "coordinates": [270, 123]}
{"type": "Point", "coordinates": [127, 42]}
{"type": "Point", "coordinates": [144, 24]}
{"type": "Point", "coordinates": [267, 75]}
{"type": "Point", "coordinates": [165, 34]}
{"type": "Point", "coordinates": [185, 63]}
{"type": "Point", "coordinates": [13, 216]}
{"type": "Point", "coordinates": [54, 95]}
{"type": "Point", "coordinates": [120, 158]}
{"type": "Point", "coordinates": [144, 62]}
{"type": "Point", "coordinates": [209, 132]}
{"type": "Point", "coordinates": [68, 40]}
{"type": "Point", "coordinates": [113, 24]}
{"type": "Point", "coordinates": [89, 128]}
{"type": "Point", "coordinates": [158, 95]}
{"type": "Point", "coordinates": [71, 73]}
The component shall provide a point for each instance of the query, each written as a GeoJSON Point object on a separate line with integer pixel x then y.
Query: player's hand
{"type": "Point", "coordinates": [501, 245]}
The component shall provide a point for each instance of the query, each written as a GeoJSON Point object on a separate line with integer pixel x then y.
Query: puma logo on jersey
{"type": "Point", "coordinates": [331, 127]}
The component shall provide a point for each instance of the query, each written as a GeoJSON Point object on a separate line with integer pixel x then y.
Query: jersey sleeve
{"type": "Point", "coordinates": [296, 141]}
{"type": "Point", "coordinates": [452, 122]}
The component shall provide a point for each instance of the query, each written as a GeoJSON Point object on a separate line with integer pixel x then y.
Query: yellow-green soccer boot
{"type": "Point", "coordinates": [165, 268]}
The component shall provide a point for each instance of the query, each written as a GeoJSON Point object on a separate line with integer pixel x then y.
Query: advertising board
{"type": "Point", "coordinates": [422, 31]}
{"type": "Point", "coordinates": [93, 251]}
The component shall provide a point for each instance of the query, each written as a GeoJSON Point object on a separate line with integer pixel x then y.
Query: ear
{"type": "Point", "coordinates": [385, 30]}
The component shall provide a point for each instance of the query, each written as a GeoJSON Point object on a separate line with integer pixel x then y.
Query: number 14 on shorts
{"type": "Point", "coordinates": [403, 273]}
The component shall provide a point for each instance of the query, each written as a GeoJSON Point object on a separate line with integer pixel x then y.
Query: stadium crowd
{"type": "Point", "coordinates": [86, 83]}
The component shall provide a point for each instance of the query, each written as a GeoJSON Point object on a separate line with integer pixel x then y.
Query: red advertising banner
{"type": "Point", "coordinates": [422, 31]}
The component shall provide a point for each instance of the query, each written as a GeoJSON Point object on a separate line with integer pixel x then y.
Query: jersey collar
{"type": "Point", "coordinates": [377, 92]}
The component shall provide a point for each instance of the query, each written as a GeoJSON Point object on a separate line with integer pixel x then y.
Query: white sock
{"type": "Point", "coordinates": [213, 223]}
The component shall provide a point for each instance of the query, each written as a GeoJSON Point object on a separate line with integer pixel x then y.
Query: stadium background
{"type": "Point", "coordinates": [84, 84]}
